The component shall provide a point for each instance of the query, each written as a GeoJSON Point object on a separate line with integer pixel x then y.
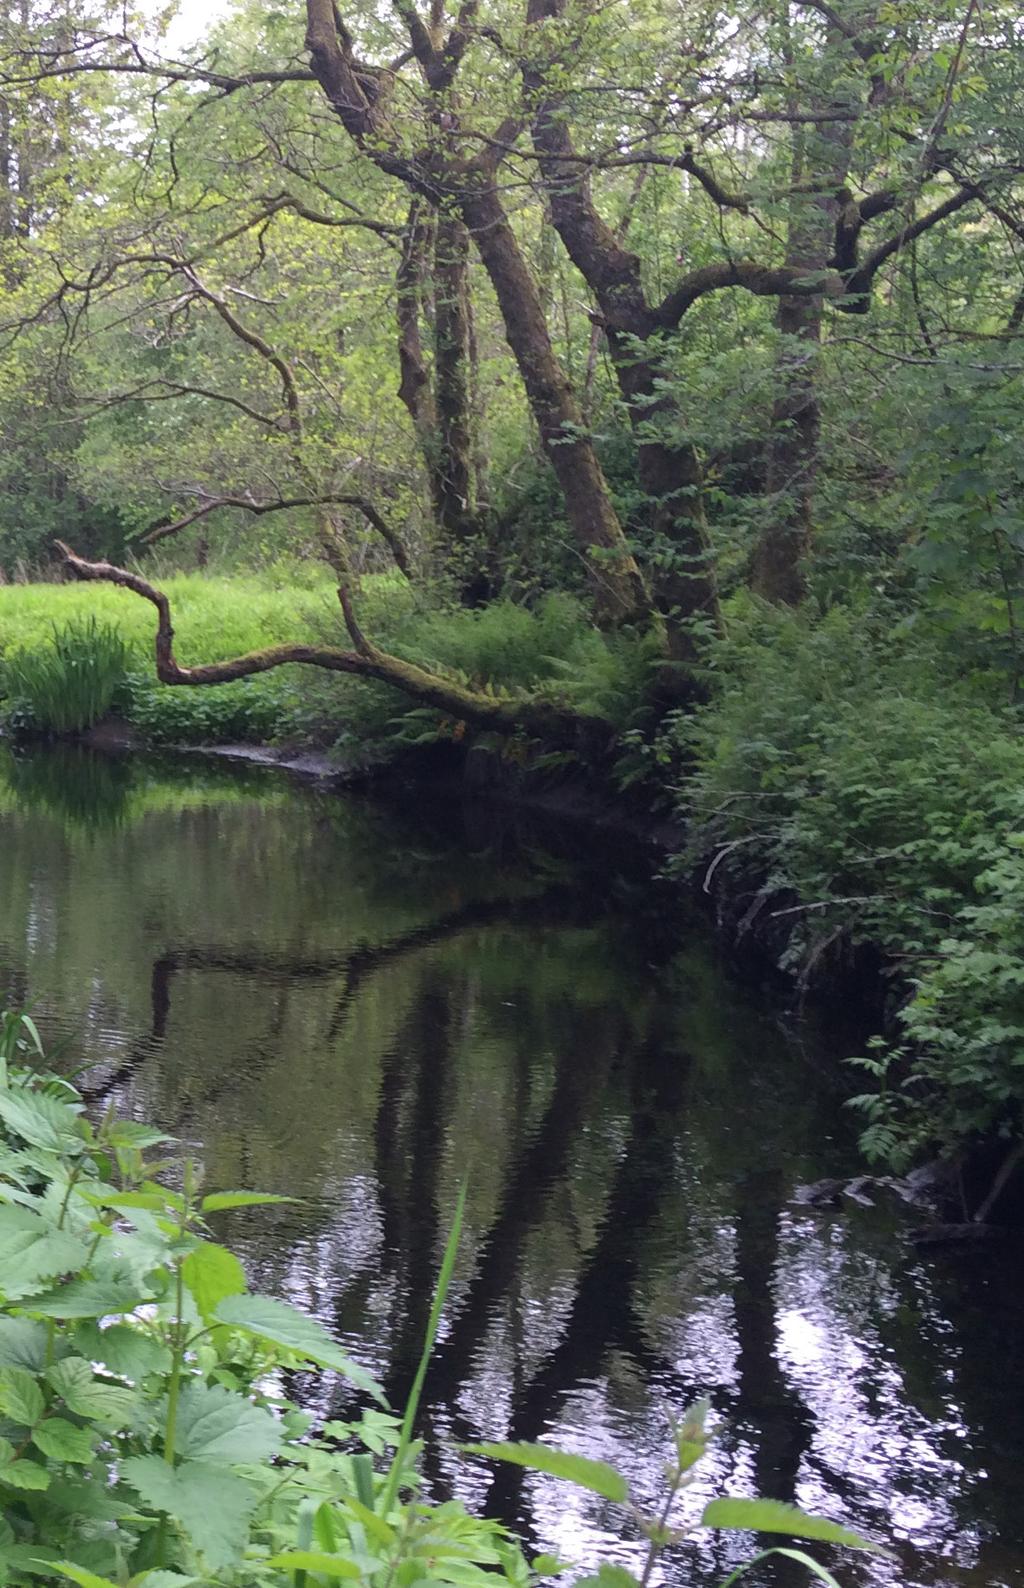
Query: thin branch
{"type": "Point", "coordinates": [246, 504]}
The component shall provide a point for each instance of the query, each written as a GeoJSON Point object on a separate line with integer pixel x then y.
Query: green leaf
{"type": "Point", "coordinates": [23, 1343]}
{"type": "Point", "coordinates": [127, 1133]}
{"type": "Point", "coordinates": [33, 1559]}
{"type": "Point", "coordinates": [609, 1575]}
{"type": "Point", "coordinates": [163, 1579]}
{"type": "Point", "coordinates": [62, 1441]}
{"type": "Point", "coordinates": [269, 1319]}
{"type": "Point", "coordinates": [221, 1201]}
{"type": "Point", "coordinates": [211, 1273]}
{"type": "Point", "coordinates": [216, 1424]}
{"type": "Point", "coordinates": [25, 1475]}
{"type": "Point", "coordinates": [33, 1251]}
{"type": "Point", "coordinates": [774, 1516]}
{"type": "Point", "coordinates": [88, 1298]}
{"type": "Point", "coordinates": [110, 1405]}
{"type": "Point", "coordinates": [21, 1399]}
{"type": "Point", "coordinates": [85, 1579]}
{"type": "Point", "coordinates": [310, 1560]}
{"type": "Point", "coordinates": [212, 1506]}
{"type": "Point", "coordinates": [580, 1470]}
{"type": "Point", "coordinates": [41, 1120]}
{"type": "Point", "coordinates": [130, 1353]}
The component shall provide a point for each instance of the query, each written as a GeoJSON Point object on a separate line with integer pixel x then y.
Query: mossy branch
{"type": "Point", "coordinates": [504, 714]}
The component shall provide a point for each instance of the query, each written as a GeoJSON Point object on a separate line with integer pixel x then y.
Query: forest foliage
{"type": "Point", "coordinates": [648, 379]}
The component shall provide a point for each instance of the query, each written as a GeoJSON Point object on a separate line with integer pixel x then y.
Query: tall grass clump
{"type": "Point", "coordinates": [69, 684]}
{"type": "Point", "coordinates": [148, 1439]}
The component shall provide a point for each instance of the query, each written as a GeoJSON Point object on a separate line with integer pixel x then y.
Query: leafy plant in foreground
{"type": "Point", "coordinates": [144, 1438]}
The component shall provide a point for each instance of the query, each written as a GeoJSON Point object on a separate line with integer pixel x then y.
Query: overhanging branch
{"type": "Point", "coordinates": [502, 714]}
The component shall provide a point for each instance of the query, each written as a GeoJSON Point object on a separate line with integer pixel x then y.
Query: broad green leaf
{"type": "Point", "coordinates": [33, 1559]}
{"type": "Point", "coordinates": [609, 1575]}
{"type": "Point", "coordinates": [110, 1405]}
{"type": "Point", "coordinates": [221, 1201]}
{"type": "Point", "coordinates": [21, 1399]}
{"type": "Point", "coordinates": [212, 1506]}
{"type": "Point", "coordinates": [88, 1298]}
{"type": "Point", "coordinates": [71, 1376]}
{"type": "Point", "coordinates": [62, 1441]}
{"type": "Point", "coordinates": [23, 1343]}
{"type": "Point", "coordinates": [109, 1197]}
{"type": "Point", "coordinates": [79, 1496]}
{"type": "Point", "coordinates": [311, 1560]}
{"type": "Point", "coordinates": [33, 1251]}
{"type": "Point", "coordinates": [375, 1525]}
{"type": "Point", "coordinates": [126, 1133]}
{"type": "Point", "coordinates": [580, 1470]}
{"type": "Point", "coordinates": [41, 1120]}
{"type": "Point", "coordinates": [211, 1273]}
{"type": "Point", "coordinates": [217, 1424]}
{"type": "Point", "coordinates": [130, 1353]}
{"type": "Point", "coordinates": [25, 1475]}
{"type": "Point", "coordinates": [85, 1579]}
{"type": "Point", "coordinates": [774, 1516]}
{"type": "Point", "coordinates": [270, 1319]}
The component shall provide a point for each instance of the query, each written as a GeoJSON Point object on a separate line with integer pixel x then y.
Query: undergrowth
{"type": "Point", "coordinates": [850, 789]}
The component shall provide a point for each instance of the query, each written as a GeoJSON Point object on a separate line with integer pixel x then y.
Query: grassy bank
{"type": "Point", "coordinates": [552, 648]}
{"type": "Point", "coordinates": [214, 618]}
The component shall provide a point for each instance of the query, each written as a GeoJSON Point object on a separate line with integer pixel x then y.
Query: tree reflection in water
{"type": "Point", "coordinates": [362, 1007]}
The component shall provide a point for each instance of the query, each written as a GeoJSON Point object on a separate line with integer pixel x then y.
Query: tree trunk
{"type": "Point", "coordinates": [353, 94]}
{"type": "Point", "coordinates": [618, 588]}
{"type": "Point", "coordinates": [821, 157]}
{"type": "Point", "coordinates": [452, 380]}
{"type": "Point", "coordinates": [669, 468]}
{"type": "Point", "coordinates": [437, 395]}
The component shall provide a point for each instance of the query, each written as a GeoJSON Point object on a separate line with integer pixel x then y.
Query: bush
{"type": "Point", "coordinates": [876, 801]}
{"type": "Point", "coordinates": [145, 1436]}
{"type": "Point", "coordinates": [71, 683]}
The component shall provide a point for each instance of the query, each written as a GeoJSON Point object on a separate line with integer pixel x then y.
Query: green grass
{"type": "Point", "coordinates": [551, 648]}
{"type": "Point", "coordinates": [214, 618]}
{"type": "Point", "coordinates": [70, 683]}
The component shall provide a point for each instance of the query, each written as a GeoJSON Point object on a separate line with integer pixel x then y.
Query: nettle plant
{"type": "Point", "coordinates": [144, 1440]}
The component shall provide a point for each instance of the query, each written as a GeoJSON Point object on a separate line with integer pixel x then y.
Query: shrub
{"type": "Point", "coordinates": [69, 684]}
{"type": "Point", "coordinates": [145, 1437]}
{"type": "Point", "coordinates": [852, 792]}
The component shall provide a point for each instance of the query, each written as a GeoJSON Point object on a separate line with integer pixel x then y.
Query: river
{"type": "Point", "coordinates": [363, 1004]}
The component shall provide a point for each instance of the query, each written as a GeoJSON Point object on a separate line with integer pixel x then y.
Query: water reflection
{"type": "Point", "coordinates": [361, 1007]}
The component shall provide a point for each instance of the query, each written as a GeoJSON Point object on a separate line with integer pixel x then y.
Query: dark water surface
{"type": "Point", "coordinates": [360, 1006]}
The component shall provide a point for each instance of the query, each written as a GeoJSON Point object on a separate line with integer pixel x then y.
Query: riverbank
{"type": "Point", "coordinates": [845, 798]}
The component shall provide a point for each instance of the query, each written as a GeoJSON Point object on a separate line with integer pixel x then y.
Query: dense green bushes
{"type": "Point", "coordinates": [144, 1435]}
{"type": "Point", "coordinates": [849, 788]}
